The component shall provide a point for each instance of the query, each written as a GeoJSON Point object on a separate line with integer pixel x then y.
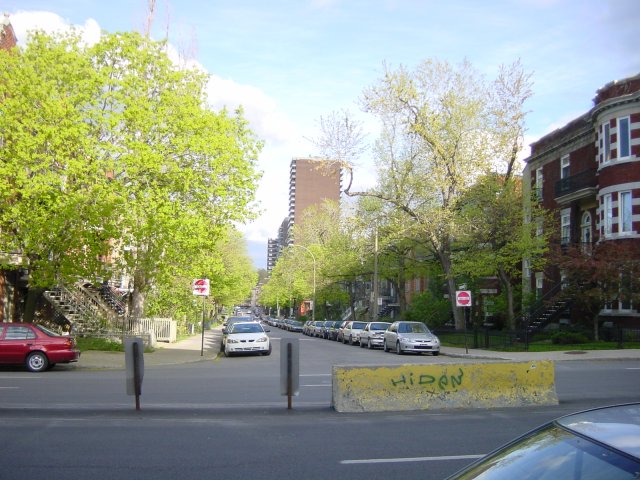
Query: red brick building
{"type": "Point", "coordinates": [588, 174]}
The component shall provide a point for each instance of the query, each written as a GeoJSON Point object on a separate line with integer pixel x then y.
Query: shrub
{"type": "Point", "coordinates": [568, 338]}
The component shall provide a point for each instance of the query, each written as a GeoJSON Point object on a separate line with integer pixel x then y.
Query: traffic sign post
{"type": "Point", "coordinates": [201, 288]}
{"type": "Point", "coordinates": [463, 299]}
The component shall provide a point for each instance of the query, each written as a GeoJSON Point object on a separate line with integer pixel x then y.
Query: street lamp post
{"type": "Point", "coordinates": [313, 310]}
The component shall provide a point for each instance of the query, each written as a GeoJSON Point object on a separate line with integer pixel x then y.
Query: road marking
{"type": "Point", "coordinates": [411, 459]}
{"type": "Point", "coordinates": [325, 385]}
{"type": "Point", "coordinates": [316, 375]}
{"type": "Point", "coordinates": [9, 388]}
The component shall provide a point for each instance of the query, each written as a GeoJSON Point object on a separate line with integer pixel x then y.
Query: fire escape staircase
{"type": "Point", "coordinates": [546, 310]}
{"type": "Point", "coordinates": [84, 307]}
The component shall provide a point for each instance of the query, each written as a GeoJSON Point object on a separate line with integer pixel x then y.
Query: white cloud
{"type": "Point", "coordinates": [260, 109]}
{"type": "Point", "coordinates": [24, 22]}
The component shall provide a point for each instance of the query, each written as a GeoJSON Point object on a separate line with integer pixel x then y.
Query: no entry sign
{"type": "Point", "coordinates": [201, 287]}
{"type": "Point", "coordinates": [463, 298]}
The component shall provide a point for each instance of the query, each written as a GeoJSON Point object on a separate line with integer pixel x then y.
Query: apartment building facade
{"type": "Point", "coordinates": [588, 174]}
{"type": "Point", "coordinates": [312, 181]}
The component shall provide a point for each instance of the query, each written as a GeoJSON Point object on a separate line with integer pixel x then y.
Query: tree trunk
{"type": "Point", "coordinates": [31, 303]}
{"type": "Point", "coordinates": [505, 281]}
{"type": "Point", "coordinates": [445, 261]}
{"type": "Point", "coordinates": [596, 336]}
{"type": "Point", "coordinates": [139, 294]}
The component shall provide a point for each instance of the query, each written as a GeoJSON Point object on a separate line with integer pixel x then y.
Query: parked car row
{"type": "Point", "coordinates": [400, 336]}
{"type": "Point", "coordinates": [288, 324]}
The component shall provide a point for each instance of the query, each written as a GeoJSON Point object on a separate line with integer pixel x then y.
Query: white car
{"type": "Point", "coordinates": [373, 334]}
{"type": "Point", "coordinates": [410, 337]}
{"type": "Point", "coordinates": [245, 337]}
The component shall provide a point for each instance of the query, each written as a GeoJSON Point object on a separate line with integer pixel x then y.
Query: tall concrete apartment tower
{"type": "Point", "coordinates": [311, 182]}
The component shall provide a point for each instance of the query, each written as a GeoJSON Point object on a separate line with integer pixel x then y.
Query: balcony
{"type": "Point", "coordinates": [581, 185]}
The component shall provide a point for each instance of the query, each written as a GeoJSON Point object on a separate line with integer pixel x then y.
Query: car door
{"type": "Point", "coordinates": [16, 343]}
{"type": "Point", "coordinates": [391, 335]}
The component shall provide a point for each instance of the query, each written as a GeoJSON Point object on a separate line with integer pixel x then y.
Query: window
{"type": "Point", "coordinates": [606, 143]}
{"type": "Point", "coordinates": [539, 284]}
{"type": "Point", "coordinates": [539, 180]}
{"type": "Point", "coordinates": [526, 267]}
{"type": "Point", "coordinates": [607, 208]}
{"type": "Point", "coordinates": [564, 166]}
{"type": "Point", "coordinates": [585, 232]}
{"type": "Point", "coordinates": [19, 333]}
{"type": "Point", "coordinates": [565, 226]}
{"type": "Point", "coordinates": [624, 212]}
{"type": "Point", "coordinates": [624, 140]}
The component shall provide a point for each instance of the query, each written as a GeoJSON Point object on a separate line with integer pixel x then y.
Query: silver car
{"type": "Point", "coordinates": [410, 337]}
{"type": "Point", "coordinates": [373, 334]}
{"type": "Point", "coordinates": [600, 443]}
{"type": "Point", "coordinates": [351, 332]}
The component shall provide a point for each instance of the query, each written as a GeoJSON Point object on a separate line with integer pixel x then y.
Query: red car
{"type": "Point", "coordinates": [35, 346]}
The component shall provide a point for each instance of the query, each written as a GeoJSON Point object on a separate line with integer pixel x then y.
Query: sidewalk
{"type": "Point", "coordinates": [190, 349]}
{"type": "Point", "coordinates": [184, 351]}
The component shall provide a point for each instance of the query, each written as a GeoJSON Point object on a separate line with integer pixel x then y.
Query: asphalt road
{"type": "Point", "coordinates": [227, 419]}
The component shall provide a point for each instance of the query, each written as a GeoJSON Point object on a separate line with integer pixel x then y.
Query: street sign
{"type": "Point", "coordinates": [463, 298]}
{"type": "Point", "coordinates": [201, 287]}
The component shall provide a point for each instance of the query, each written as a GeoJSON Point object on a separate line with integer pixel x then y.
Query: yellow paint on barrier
{"type": "Point", "coordinates": [443, 386]}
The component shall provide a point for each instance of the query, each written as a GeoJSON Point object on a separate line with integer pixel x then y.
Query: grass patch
{"type": "Point", "coordinates": [100, 344]}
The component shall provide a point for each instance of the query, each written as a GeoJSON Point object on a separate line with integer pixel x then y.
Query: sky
{"type": "Point", "coordinates": [290, 62]}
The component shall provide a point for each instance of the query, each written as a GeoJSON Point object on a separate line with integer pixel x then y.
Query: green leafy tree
{"type": "Point", "coordinates": [111, 150]}
{"type": "Point", "coordinates": [494, 238]}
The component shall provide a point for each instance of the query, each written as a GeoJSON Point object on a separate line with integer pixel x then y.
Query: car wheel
{"type": "Point", "coordinates": [37, 362]}
{"type": "Point", "coordinates": [268, 352]}
{"type": "Point", "coordinates": [369, 346]}
{"type": "Point", "coordinates": [399, 349]}
{"type": "Point", "coordinates": [435, 354]}
{"type": "Point", "coordinates": [360, 343]}
{"type": "Point", "coordinates": [344, 340]}
{"type": "Point", "coordinates": [384, 346]}
{"type": "Point", "coordinates": [350, 340]}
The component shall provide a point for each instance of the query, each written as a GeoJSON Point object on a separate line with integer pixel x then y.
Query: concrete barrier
{"type": "Point", "coordinates": [443, 386]}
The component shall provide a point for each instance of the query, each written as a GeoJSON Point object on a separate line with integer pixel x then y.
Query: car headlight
{"type": "Point", "coordinates": [232, 340]}
{"type": "Point", "coordinates": [262, 339]}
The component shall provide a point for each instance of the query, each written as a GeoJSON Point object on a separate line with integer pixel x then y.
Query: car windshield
{"type": "Point", "coordinates": [413, 328]}
{"type": "Point", "coordinates": [247, 328]}
{"type": "Point", "coordinates": [360, 325]}
{"type": "Point", "coordinates": [379, 326]}
{"type": "Point", "coordinates": [553, 453]}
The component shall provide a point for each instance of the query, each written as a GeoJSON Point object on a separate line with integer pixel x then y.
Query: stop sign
{"type": "Point", "coordinates": [463, 298]}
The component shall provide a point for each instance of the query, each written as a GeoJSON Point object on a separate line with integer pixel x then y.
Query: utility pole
{"type": "Point", "coordinates": [374, 309]}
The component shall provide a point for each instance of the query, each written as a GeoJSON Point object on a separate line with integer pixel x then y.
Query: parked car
{"type": "Point", "coordinates": [316, 330]}
{"type": "Point", "coordinates": [340, 334]}
{"type": "Point", "coordinates": [295, 326]}
{"type": "Point", "coordinates": [35, 347]}
{"type": "Point", "coordinates": [325, 328]}
{"type": "Point", "coordinates": [231, 320]}
{"type": "Point", "coordinates": [245, 337]}
{"type": "Point", "coordinates": [351, 332]}
{"type": "Point", "coordinates": [306, 330]}
{"type": "Point", "coordinates": [333, 329]}
{"type": "Point", "coordinates": [372, 335]}
{"type": "Point", "coordinates": [594, 444]}
{"type": "Point", "coordinates": [410, 337]}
